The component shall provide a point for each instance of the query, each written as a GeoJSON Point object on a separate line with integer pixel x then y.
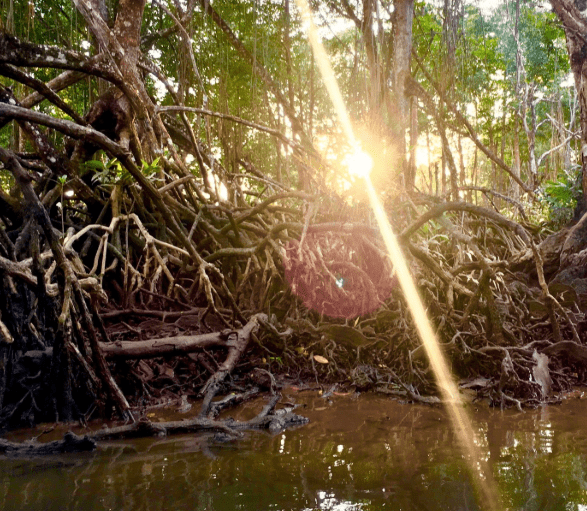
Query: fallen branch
{"type": "Point", "coordinates": [181, 344]}
{"type": "Point", "coordinates": [70, 443]}
{"type": "Point", "coordinates": [275, 422]}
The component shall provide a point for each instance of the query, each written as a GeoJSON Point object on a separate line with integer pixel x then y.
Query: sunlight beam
{"type": "Point", "coordinates": [326, 70]}
{"type": "Point", "coordinates": [488, 495]}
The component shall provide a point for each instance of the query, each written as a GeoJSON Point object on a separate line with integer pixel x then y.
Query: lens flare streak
{"type": "Point", "coordinates": [488, 495]}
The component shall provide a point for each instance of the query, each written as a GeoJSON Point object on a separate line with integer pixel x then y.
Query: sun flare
{"type": "Point", "coordinates": [359, 163]}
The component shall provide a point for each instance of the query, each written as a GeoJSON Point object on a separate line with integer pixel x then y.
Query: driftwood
{"type": "Point", "coordinates": [207, 420]}
{"type": "Point", "coordinates": [273, 420]}
{"type": "Point", "coordinates": [235, 340]}
{"type": "Point", "coordinates": [70, 443]}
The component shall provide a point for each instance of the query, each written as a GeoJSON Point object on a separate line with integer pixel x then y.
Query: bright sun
{"type": "Point", "coordinates": [359, 163]}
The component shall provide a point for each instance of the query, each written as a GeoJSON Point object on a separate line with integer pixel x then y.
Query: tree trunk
{"type": "Point", "coordinates": [517, 160]}
{"type": "Point", "coordinates": [402, 50]}
{"type": "Point", "coordinates": [412, 168]}
{"type": "Point", "coordinates": [574, 22]}
{"type": "Point", "coordinates": [520, 107]}
{"type": "Point", "coordinates": [531, 129]}
{"type": "Point", "coordinates": [376, 91]}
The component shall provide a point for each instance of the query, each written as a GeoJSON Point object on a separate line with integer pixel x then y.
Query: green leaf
{"type": "Point", "coordinates": [94, 165]}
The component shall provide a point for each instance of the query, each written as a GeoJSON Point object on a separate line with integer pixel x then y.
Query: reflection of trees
{"type": "Point", "coordinates": [539, 464]}
{"type": "Point", "coordinates": [369, 451]}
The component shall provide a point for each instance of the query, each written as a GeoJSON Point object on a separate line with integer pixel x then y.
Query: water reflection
{"type": "Point", "coordinates": [365, 454]}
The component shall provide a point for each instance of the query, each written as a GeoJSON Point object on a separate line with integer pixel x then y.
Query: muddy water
{"type": "Point", "coordinates": [356, 454]}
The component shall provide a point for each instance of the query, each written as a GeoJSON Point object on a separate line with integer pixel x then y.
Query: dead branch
{"type": "Point", "coordinates": [179, 345]}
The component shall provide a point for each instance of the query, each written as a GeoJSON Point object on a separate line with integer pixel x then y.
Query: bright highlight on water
{"type": "Point", "coordinates": [360, 164]}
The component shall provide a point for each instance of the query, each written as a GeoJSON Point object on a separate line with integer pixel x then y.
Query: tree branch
{"type": "Point", "coordinates": [20, 53]}
{"type": "Point", "coordinates": [422, 93]}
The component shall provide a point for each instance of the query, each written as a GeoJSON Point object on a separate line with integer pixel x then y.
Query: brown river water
{"type": "Point", "coordinates": [365, 453]}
